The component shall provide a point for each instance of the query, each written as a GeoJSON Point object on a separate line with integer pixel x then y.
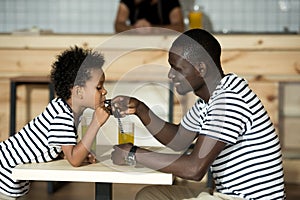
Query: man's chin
{"type": "Point", "coordinates": [182, 91]}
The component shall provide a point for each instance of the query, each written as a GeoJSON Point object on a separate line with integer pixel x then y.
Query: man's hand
{"type": "Point", "coordinates": [124, 105]}
{"type": "Point", "coordinates": [120, 153]}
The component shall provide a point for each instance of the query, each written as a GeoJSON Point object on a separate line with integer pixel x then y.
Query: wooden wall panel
{"type": "Point", "coordinates": [31, 101]}
{"type": "Point", "coordinates": [138, 65]}
{"type": "Point", "coordinates": [268, 94]}
{"type": "Point", "coordinates": [264, 60]}
{"type": "Point", "coordinates": [262, 63]}
{"type": "Point", "coordinates": [291, 137]}
{"type": "Point", "coordinates": [4, 108]}
{"type": "Point", "coordinates": [26, 62]}
{"type": "Point", "coordinates": [291, 170]}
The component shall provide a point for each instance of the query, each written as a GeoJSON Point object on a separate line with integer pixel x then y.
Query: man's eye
{"type": "Point", "coordinates": [98, 87]}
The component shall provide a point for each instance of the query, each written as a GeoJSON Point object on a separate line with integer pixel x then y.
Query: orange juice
{"type": "Point", "coordinates": [126, 132]}
{"type": "Point", "coordinates": [84, 127]}
{"type": "Point", "coordinates": [195, 19]}
{"type": "Point", "coordinates": [126, 138]}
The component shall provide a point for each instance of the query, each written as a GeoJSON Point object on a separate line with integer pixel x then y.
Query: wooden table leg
{"type": "Point", "coordinates": [55, 185]}
{"type": "Point", "coordinates": [103, 191]}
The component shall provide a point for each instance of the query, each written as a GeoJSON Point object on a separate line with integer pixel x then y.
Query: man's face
{"type": "Point", "coordinates": [183, 74]}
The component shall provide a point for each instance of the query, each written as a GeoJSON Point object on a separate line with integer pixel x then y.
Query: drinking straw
{"type": "Point", "coordinates": [120, 125]}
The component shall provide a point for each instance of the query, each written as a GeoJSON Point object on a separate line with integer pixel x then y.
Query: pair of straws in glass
{"type": "Point", "coordinates": [116, 113]}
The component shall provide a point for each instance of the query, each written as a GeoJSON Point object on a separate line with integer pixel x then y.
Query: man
{"type": "Point", "coordinates": [149, 13]}
{"type": "Point", "coordinates": [232, 130]}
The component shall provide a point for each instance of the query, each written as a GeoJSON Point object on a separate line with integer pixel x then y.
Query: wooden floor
{"type": "Point", "coordinates": [79, 191]}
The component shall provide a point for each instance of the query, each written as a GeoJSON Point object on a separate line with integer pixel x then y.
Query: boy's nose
{"type": "Point", "coordinates": [104, 92]}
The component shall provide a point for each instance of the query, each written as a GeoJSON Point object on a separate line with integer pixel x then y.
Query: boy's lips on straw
{"type": "Point", "coordinates": [107, 102]}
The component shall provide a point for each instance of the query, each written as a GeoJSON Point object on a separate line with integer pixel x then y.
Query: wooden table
{"type": "Point", "coordinates": [103, 173]}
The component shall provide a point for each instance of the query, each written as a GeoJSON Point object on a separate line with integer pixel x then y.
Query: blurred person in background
{"type": "Point", "coordinates": [149, 13]}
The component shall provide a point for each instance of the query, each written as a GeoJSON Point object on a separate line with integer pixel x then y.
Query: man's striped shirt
{"type": "Point", "coordinates": [250, 166]}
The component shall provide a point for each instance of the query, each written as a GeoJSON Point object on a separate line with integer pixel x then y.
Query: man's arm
{"type": "Point", "coordinates": [171, 135]}
{"type": "Point", "coordinates": [193, 166]}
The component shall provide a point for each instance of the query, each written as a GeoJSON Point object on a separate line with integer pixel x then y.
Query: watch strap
{"type": "Point", "coordinates": [131, 159]}
{"type": "Point", "coordinates": [133, 149]}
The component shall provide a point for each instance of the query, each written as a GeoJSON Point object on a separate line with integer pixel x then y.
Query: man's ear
{"type": "Point", "coordinates": [78, 91]}
{"type": "Point", "coordinates": [201, 68]}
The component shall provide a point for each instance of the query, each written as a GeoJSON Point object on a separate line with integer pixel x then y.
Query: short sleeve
{"type": "Point", "coordinates": [193, 119]}
{"type": "Point", "coordinates": [62, 130]}
{"type": "Point", "coordinates": [228, 117]}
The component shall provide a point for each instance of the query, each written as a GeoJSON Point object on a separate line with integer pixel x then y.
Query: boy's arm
{"type": "Point", "coordinates": [77, 154]}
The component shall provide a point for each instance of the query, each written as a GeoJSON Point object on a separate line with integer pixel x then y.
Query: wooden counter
{"type": "Point", "coordinates": [264, 60]}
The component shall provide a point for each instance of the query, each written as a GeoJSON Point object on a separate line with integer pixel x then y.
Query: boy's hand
{"type": "Point", "coordinates": [91, 158]}
{"type": "Point", "coordinates": [101, 113]}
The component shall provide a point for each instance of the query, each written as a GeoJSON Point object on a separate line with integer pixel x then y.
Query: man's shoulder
{"type": "Point", "coordinates": [234, 83]}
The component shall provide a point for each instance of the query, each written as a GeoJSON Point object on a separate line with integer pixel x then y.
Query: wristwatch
{"type": "Point", "coordinates": [131, 160]}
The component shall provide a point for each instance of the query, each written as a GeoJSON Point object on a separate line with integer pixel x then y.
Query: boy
{"type": "Point", "coordinates": [78, 80]}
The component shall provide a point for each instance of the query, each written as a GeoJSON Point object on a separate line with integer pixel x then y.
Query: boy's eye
{"type": "Point", "coordinates": [98, 87]}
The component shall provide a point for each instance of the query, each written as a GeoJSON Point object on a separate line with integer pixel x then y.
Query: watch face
{"type": "Point", "coordinates": [130, 160]}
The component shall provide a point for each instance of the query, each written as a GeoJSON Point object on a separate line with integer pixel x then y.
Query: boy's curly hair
{"type": "Point", "coordinates": [73, 67]}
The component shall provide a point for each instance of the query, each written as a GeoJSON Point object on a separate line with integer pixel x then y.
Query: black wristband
{"type": "Point", "coordinates": [133, 149]}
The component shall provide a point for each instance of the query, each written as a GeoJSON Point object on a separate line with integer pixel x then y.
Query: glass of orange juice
{"type": "Point", "coordinates": [85, 122]}
{"type": "Point", "coordinates": [125, 132]}
{"type": "Point", "coordinates": [195, 17]}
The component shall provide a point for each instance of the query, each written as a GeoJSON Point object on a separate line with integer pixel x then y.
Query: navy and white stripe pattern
{"type": "Point", "coordinates": [250, 166]}
{"type": "Point", "coordinates": [39, 141]}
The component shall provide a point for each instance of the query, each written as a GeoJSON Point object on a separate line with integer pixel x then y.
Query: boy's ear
{"type": "Point", "coordinates": [201, 68]}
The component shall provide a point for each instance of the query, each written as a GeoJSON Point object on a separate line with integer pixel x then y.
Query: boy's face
{"type": "Point", "coordinates": [94, 89]}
